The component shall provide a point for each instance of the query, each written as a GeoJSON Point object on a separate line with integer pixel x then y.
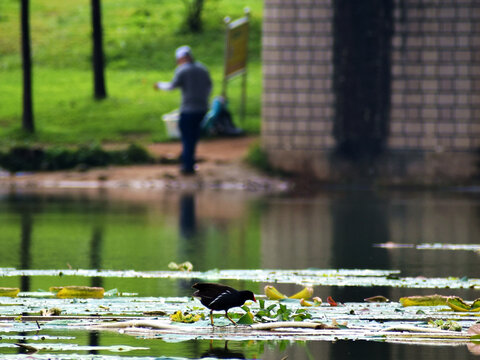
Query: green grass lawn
{"type": "Point", "coordinates": [140, 37]}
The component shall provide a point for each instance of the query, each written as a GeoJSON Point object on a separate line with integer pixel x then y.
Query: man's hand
{"type": "Point", "coordinates": [162, 85]}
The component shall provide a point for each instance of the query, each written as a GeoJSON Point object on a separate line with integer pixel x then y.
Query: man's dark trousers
{"type": "Point", "coordinates": [189, 125]}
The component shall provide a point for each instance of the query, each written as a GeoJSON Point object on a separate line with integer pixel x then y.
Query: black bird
{"type": "Point", "coordinates": [221, 297]}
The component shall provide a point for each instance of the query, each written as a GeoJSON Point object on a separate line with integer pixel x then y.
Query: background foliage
{"type": "Point", "coordinates": [139, 38]}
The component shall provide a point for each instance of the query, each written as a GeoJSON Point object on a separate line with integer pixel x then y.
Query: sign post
{"type": "Point", "coordinates": [236, 55]}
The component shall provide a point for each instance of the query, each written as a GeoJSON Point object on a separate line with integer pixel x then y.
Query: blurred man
{"type": "Point", "coordinates": [196, 85]}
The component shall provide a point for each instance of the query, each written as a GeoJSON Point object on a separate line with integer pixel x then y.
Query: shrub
{"type": "Point", "coordinates": [58, 158]}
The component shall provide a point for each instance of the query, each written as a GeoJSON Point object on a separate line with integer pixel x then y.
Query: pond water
{"type": "Point", "coordinates": [145, 231]}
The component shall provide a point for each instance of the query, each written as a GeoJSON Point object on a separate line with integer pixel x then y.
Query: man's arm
{"type": "Point", "coordinates": [167, 86]}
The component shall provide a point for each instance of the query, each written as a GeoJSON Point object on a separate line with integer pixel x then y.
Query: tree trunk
{"type": "Point", "coordinates": [194, 15]}
{"type": "Point", "coordinates": [27, 120]}
{"type": "Point", "coordinates": [100, 91]}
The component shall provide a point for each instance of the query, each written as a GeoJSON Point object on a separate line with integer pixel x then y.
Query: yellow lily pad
{"type": "Point", "coordinates": [430, 300]}
{"type": "Point", "coordinates": [457, 304]}
{"type": "Point", "coordinates": [306, 293]}
{"type": "Point", "coordinates": [273, 294]}
{"type": "Point", "coordinates": [84, 292]}
{"type": "Point", "coordinates": [9, 292]}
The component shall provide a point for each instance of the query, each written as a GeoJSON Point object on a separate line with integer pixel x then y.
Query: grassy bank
{"type": "Point", "coordinates": [140, 37]}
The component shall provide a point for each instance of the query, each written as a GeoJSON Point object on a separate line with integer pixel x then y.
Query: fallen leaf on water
{"type": "Point", "coordinates": [273, 294]}
{"type": "Point", "coordinates": [185, 266]}
{"type": "Point", "coordinates": [9, 292]}
{"type": "Point", "coordinates": [51, 312]}
{"type": "Point", "coordinates": [317, 301]}
{"type": "Point", "coordinates": [84, 292]}
{"type": "Point", "coordinates": [306, 293]}
{"type": "Point", "coordinates": [331, 301]}
{"type": "Point", "coordinates": [457, 304]}
{"type": "Point", "coordinates": [429, 300]}
{"type": "Point", "coordinates": [377, 299]}
{"type": "Point", "coordinates": [305, 303]}
{"type": "Point", "coordinates": [154, 313]}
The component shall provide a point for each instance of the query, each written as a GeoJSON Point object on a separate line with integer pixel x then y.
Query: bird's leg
{"type": "Point", "coordinates": [229, 318]}
{"type": "Point", "coordinates": [211, 317]}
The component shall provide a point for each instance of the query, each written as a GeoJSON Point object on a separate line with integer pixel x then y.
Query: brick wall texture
{"type": "Point", "coordinates": [297, 63]}
{"type": "Point", "coordinates": [435, 77]}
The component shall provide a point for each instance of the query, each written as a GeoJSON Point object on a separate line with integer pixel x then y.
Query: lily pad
{"type": "Point", "coordinates": [84, 292]}
{"type": "Point", "coordinates": [9, 292]}
{"type": "Point", "coordinates": [429, 300]}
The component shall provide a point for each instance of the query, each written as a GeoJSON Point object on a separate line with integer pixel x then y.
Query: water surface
{"type": "Point", "coordinates": [235, 230]}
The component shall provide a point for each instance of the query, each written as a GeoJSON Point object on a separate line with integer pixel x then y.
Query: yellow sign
{"type": "Point", "coordinates": [236, 47]}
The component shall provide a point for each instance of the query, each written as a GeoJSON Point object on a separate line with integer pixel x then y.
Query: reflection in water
{"type": "Point", "coordinates": [223, 230]}
{"type": "Point", "coordinates": [188, 222]}
{"type": "Point", "coordinates": [95, 262]}
{"type": "Point", "coordinates": [190, 242]}
{"type": "Point", "coordinates": [96, 254]}
{"type": "Point", "coordinates": [222, 352]}
{"type": "Point", "coordinates": [360, 220]}
{"type": "Point", "coordinates": [25, 247]}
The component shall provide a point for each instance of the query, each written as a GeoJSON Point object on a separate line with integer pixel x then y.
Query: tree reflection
{"type": "Point", "coordinates": [95, 263]}
{"type": "Point", "coordinates": [25, 247]}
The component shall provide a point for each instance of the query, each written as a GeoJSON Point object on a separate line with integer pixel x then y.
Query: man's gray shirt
{"type": "Point", "coordinates": [194, 81]}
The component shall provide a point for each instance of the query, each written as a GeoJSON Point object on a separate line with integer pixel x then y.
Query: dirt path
{"type": "Point", "coordinates": [212, 150]}
{"type": "Point", "coordinates": [221, 166]}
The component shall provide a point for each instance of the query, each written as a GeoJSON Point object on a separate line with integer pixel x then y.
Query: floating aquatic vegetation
{"type": "Point", "coordinates": [426, 246]}
{"type": "Point", "coordinates": [185, 266]}
{"type": "Point", "coordinates": [445, 325]}
{"type": "Point", "coordinates": [75, 347]}
{"type": "Point", "coordinates": [83, 292]}
{"type": "Point", "coordinates": [429, 300]}
{"type": "Point", "coordinates": [273, 294]}
{"type": "Point", "coordinates": [377, 299]}
{"type": "Point", "coordinates": [454, 302]}
{"type": "Point", "coordinates": [458, 304]}
{"type": "Point", "coordinates": [9, 292]}
{"type": "Point", "coordinates": [308, 277]}
{"type": "Point", "coordinates": [51, 312]}
{"type": "Point", "coordinates": [185, 317]}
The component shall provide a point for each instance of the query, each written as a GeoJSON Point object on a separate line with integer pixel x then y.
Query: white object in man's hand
{"type": "Point", "coordinates": [162, 85]}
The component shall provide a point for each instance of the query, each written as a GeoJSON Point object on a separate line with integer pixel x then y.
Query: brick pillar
{"type": "Point", "coordinates": [434, 118]}
{"type": "Point", "coordinates": [297, 100]}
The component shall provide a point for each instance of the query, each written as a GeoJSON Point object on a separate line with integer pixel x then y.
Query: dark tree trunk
{"type": "Point", "coordinates": [100, 91]}
{"type": "Point", "coordinates": [362, 42]}
{"type": "Point", "coordinates": [27, 120]}
{"type": "Point", "coordinates": [194, 15]}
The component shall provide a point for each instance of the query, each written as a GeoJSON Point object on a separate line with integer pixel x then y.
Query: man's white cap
{"type": "Point", "coordinates": [182, 51]}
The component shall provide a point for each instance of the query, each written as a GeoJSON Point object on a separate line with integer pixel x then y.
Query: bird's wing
{"type": "Point", "coordinates": [218, 299]}
{"type": "Point", "coordinates": [208, 287]}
